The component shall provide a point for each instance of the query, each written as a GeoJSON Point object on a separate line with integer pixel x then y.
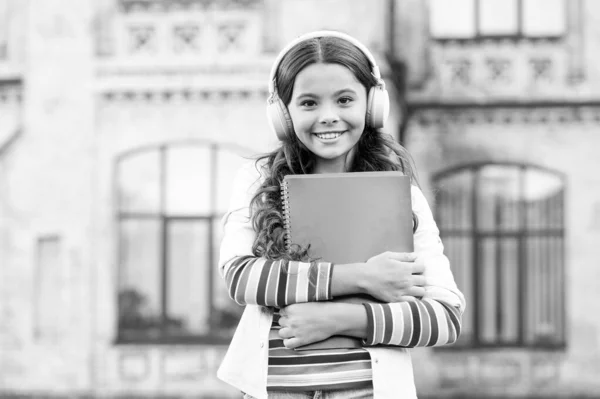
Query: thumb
{"type": "Point", "coordinates": [407, 298]}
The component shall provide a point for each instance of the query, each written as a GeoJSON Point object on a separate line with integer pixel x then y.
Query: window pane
{"type": "Point", "coordinates": [544, 18]}
{"type": "Point", "coordinates": [188, 177]}
{"type": "Point", "coordinates": [544, 204]}
{"type": "Point", "coordinates": [557, 287]}
{"type": "Point", "coordinates": [188, 297]}
{"type": "Point", "coordinates": [498, 198]}
{"type": "Point", "coordinates": [140, 275]}
{"type": "Point", "coordinates": [459, 251]}
{"type": "Point", "coordinates": [452, 19]}
{"type": "Point", "coordinates": [139, 183]}
{"type": "Point", "coordinates": [454, 201]}
{"type": "Point", "coordinates": [488, 295]}
{"type": "Point", "coordinates": [519, 211]}
{"type": "Point", "coordinates": [545, 307]}
{"type": "Point", "coordinates": [227, 165]}
{"type": "Point", "coordinates": [498, 17]}
{"type": "Point", "coordinates": [509, 305]}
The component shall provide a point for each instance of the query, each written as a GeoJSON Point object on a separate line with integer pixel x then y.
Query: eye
{"type": "Point", "coordinates": [308, 103]}
{"type": "Point", "coordinates": [345, 100]}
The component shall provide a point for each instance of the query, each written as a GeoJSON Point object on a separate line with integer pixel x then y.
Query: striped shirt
{"type": "Point", "coordinates": [258, 281]}
{"type": "Point", "coordinates": [311, 370]}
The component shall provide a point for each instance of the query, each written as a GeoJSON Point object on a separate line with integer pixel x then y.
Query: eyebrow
{"type": "Point", "coordinates": [337, 93]}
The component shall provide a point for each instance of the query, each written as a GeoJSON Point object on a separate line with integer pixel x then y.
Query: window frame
{"type": "Point", "coordinates": [524, 231]}
{"type": "Point", "coordinates": [519, 34]}
{"type": "Point", "coordinates": [162, 216]}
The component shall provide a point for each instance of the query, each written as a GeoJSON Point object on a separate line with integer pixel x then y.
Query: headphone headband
{"type": "Point", "coordinates": [321, 33]}
{"type": "Point", "coordinates": [378, 102]}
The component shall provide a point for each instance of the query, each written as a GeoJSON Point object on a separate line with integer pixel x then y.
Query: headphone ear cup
{"type": "Point", "coordinates": [378, 107]}
{"type": "Point", "coordinates": [279, 119]}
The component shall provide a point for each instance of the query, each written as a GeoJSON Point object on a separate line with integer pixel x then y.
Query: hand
{"type": "Point", "coordinates": [305, 323]}
{"type": "Point", "coordinates": [395, 277]}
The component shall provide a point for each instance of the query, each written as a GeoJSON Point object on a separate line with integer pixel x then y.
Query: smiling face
{"type": "Point", "coordinates": [328, 108]}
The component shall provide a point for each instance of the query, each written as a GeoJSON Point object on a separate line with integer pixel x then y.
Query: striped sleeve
{"type": "Point", "coordinates": [259, 281]}
{"type": "Point", "coordinates": [426, 322]}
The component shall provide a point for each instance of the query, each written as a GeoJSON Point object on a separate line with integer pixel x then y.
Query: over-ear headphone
{"type": "Point", "coordinates": [378, 101]}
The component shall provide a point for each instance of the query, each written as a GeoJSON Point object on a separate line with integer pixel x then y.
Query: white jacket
{"type": "Point", "coordinates": [245, 365]}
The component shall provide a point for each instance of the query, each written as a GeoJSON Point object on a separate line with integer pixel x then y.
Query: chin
{"type": "Point", "coordinates": [332, 156]}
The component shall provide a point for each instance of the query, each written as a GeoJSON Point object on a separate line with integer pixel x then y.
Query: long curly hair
{"type": "Point", "coordinates": [375, 150]}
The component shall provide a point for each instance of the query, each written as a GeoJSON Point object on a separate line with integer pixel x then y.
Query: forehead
{"type": "Point", "coordinates": [321, 78]}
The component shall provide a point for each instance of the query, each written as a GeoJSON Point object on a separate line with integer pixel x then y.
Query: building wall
{"type": "Point", "coordinates": [442, 139]}
{"type": "Point", "coordinates": [460, 117]}
{"type": "Point", "coordinates": [88, 99]}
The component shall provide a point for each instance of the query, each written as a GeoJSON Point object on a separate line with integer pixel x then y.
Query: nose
{"type": "Point", "coordinates": [328, 115]}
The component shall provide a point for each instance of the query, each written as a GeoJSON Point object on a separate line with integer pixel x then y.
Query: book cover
{"type": "Point", "coordinates": [348, 218]}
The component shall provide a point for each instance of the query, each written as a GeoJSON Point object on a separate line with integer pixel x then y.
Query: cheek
{"type": "Point", "coordinates": [302, 127]}
{"type": "Point", "coordinates": [295, 119]}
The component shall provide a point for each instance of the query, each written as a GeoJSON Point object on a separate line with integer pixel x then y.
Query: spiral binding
{"type": "Point", "coordinates": [286, 214]}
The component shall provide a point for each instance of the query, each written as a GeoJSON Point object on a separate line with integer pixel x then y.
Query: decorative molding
{"type": "Point", "coordinates": [542, 69]}
{"type": "Point", "coordinates": [460, 71]}
{"type": "Point", "coordinates": [142, 39]}
{"type": "Point", "coordinates": [197, 35]}
{"type": "Point", "coordinates": [133, 6]}
{"type": "Point", "coordinates": [471, 43]}
{"type": "Point", "coordinates": [229, 36]}
{"type": "Point", "coordinates": [11, 92]}
{"type": "Point", "coordinates": [186, 38]}
{"type": "Point", "coordinates": [139, 68]}
{"type": "Point", "coordinates": [499, 69]}
{"type": "Point", "coordinates": [182, 95]}
{"type": "Point", "coordinates": [553, 115]}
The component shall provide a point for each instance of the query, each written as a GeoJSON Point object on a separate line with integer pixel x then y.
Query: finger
{"type": "Point", "coordinates": [417, 292]}
{"type": "Point", "coordinates": [407, 298]}
{"type": "Point", "coordinates": [419, 280]}
{"type": "Point", "coordinates": [283, 321]}
{"type": "Point", "coordinates": [402, 256]}
{"type": "Point", "coordinates": [291, 343]}
{"type": "Point", "coordinates": [286, 333]}
{"type": "Point", "coordinates": [418, 267]}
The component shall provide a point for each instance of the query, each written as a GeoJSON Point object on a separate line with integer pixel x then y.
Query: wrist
{"type": "Point", "coordinates": [348, 279]}
{"type": "Point", "coordinates": [349, 319]}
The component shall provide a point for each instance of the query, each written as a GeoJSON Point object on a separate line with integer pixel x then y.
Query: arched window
{"type": "Point", "coordinates": [503, 230]}
{"type": "Point", "coordinates": [169, 201]}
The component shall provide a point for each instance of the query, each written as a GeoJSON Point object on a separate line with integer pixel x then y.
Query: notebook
{"type": "Point", "coordinates": [348, 218]}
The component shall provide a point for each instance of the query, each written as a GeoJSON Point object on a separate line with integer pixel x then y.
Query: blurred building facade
{"type": "Point", "coordinates": [123, 121]}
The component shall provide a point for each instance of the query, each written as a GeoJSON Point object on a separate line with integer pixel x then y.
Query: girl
{"type": "Point", "coordinates": [327, 104]}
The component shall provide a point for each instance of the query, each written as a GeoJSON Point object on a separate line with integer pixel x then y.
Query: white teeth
{"type": "Point", "coordinates": [329, 136]}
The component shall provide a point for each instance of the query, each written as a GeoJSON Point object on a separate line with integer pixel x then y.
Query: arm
{"type": "Point", "coordinates": [259, 281]}
{"type": "Point", "coordinates": [425, 322]}
{"type": "Point", "coordinates": [431, 321]}
{"type": "Point", "coordinates": [436, 318]}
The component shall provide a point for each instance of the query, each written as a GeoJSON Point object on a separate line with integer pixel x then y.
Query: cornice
{"type": "Point", "coordinates": [11, 91]}
{"type": "Point", "coordinates": [130, 6]}
{"type": "Point", "coordinates": [535, 113]}
{"type": "Point", "coordinates": [177, 95]}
